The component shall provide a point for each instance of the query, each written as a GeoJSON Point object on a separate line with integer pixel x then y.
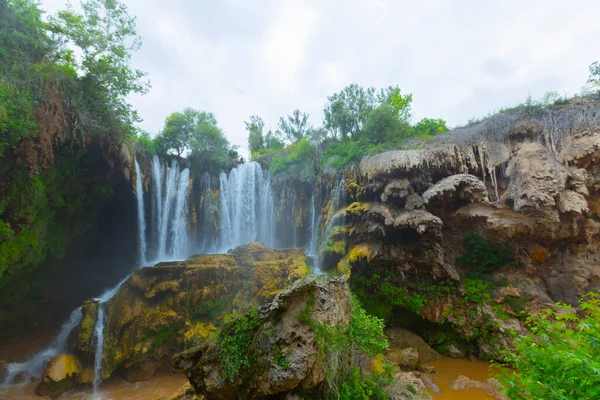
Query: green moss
{"type": "Point", "coordinates": [279, 358]}
{"type": "Point", "coordinates": [483, 257]}
{"type": "Point", "coordinates": [356, 209]}
{"type": "Point", "coordinates": [234, 340]}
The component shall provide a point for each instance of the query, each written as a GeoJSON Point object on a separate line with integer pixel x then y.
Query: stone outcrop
{"type": "Point", "coordinates": [529, 185]}
{"type": "Point", "coordinates": [281, 332]}
{"type": "Point", "coordinates": [163, 309]}
{"type": "Point", "coordinates": [490, 386]}
{"type": "Point", "coordinates": [287, 353]}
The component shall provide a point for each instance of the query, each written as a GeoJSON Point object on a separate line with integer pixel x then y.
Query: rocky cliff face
{"type": "Point", "coordinates": [456, 240]}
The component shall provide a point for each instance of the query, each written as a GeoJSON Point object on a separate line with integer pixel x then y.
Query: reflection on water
{"type": "Point", "coordinates": [447, 369]}
{"type": "Point", "coordinates": [162, 384]}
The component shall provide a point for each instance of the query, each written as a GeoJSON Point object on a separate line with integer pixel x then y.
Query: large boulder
{"type": "Point", "coordinates": [163, 309]}
{"type": "Point", "coordinates": [293, 348]}
{"type": "Point", "coordinates": [284, 349]}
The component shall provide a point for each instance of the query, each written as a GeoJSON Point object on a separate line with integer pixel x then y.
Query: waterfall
{"type": "Point", "coordinates": [315, 222]}
{"type": "Point", "coordinates": [170, 211]}
{"type": "Point", "coordinates": [247, 211]}
{"type": "Point", "coordinates": [99, 333]}
{"type": "Point", "coordinates": [157, 182]}
{"type": "Point", "coordinates": [139, 193]}
{"type": "Point", "coordinates": [34, 366]}
{"type": "Point", "coordinates": [169, 227]}
{"type": "Point", "coordinates": [179, 227]}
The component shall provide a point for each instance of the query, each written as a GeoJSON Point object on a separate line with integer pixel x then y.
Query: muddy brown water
{"type": "Point", "coordinates": [162, 384]}
{"type": "Point", "coordinates": [447, 369]}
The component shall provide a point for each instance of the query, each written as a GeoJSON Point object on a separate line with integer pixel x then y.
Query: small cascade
{"type": "Point", "coordinates": [99, 334]}
{"type": "Point", "coordinates": [336, 205]}
{"type": "Point", "coordinates": [139, 193]}
{"type": "Point", "coordinates": [34, 366]}
{"type": "Point", "coordinates": [247, 211]}
{"type": "Point", "coordinates": [337, 198]}
{"type": "Point", "coordinates": [315, 222]}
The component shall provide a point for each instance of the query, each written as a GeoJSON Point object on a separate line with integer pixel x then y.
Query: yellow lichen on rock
{"type": "Point", "coordinates": [359, 252]}
{"type": "Point", "coordinates": [198, 332]}
{"type": "Point", "coordinates": [61, 367]}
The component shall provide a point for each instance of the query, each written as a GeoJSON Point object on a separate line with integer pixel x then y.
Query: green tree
{"type": "Point", "coordinates": [560, 358]}
{"type": "Point", "coordinates": [382, 125]}
{"type": "Point", "coordinates": [347, 111]}
{"type": "Point", "coordinates": [273, 141]}
{"type": "Point", "coordinates": [180, 128]}
{"type": "Point", "coordinates": [256, 140]}
{"type": "Point", "coordinates": [209, 148]}
{"type": "Point", "coordinates": [401, 104]}
{"type": "Point", "coordinates": [97, 43]}
{"type": "Point", "coordinates": [294, 127]}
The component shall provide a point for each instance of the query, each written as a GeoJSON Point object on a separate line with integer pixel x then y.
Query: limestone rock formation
{"type": "Point", "coordinates": [161, 310]}
{"type": "Point", "coordinates": [287, 350]}
{"type": "Point", "coordinates": [282, 333]}
{"type": "Point", "coordinates": [454, 192]}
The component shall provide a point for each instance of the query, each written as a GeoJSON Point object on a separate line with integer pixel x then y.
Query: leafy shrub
{"type": "Point", "coordinates": [16, 117]}
{"type": "Point", "coordinates": [482, 256]}
{"type": "Point", "coordinates": [366, 331]}
{"type": "Point", "coordinates": [560, 358]}
{"type": "Point", "coordinates": [295, 162]}
{"type": "Point", "coordinates": [234, 338]}
{"type": "Point", "coordinates": [429, 127]}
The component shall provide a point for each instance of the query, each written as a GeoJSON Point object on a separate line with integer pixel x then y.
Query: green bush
{"type": "Point", "coordinates": [234, 339]}
{"type": "Point", "coordinates": [484, 257]}
{"type": "Point", "coordinates": [366, 331]}
{"type": "Point", "coordinates": [295, 162]}
{"type": "Point", "coordinates": [16, 117]}
{"type": "Point", "coordinates": [560, 358]}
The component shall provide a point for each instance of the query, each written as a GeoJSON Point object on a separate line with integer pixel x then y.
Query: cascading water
{"type": "Point", "coordinates": [170, 211]}
{"type": "Point", "coordinates": [34, 366]}
{"type": "Point", "coordinates": [99, 333]}
{"type": "Point", "coordinates": [247, 211]}
{"type": "Point", "coordinates": [338, 217]}
{"type": "Point", "coordinates": [170, 206]}
{"type": "Point", "coordinates": [315, 222]}
{"type": "Point", "coordinates": [179, 225]}
{"type": "Point", "coordinates": [139, 193]}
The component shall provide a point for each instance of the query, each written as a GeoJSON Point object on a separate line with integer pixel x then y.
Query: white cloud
{"type": "Point", "coordinates": [460, 59]}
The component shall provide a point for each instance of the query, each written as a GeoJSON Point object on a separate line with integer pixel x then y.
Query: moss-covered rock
{"type": "Point", "coordinates": [174, 305]}
{"type": "Point", "coordinates": [60, 375]}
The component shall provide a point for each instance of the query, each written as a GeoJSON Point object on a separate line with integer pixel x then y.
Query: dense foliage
{"type": "Point", "coordinates": [483, 257]}
{"type": "Point", "coordinates": [234, 339]}
{"type": "Point", "coordinates": [560, 358]}
{"type": "Point", "coordinates": [358, 121]}
{"type": "Point", "coordinates": [63, 81]}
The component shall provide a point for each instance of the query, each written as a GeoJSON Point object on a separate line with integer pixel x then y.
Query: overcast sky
{"type": "Point", "coordinates": [459, 59]}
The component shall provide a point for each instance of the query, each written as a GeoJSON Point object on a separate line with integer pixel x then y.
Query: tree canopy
{"type": "Point", "coordinates": [196, 134]}
{"type": "Point", "coordinates": [295, 127]}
